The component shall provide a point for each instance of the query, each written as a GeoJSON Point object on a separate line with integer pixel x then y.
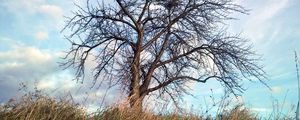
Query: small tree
{"type": "Point", "coordinates": [158, 46]}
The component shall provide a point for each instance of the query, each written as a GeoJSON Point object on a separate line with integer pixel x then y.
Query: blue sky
{"type": "Point", "coordinates": [31, 44]}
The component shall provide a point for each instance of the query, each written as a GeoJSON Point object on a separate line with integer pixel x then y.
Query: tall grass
{"type": "Point", "coordinates": [38, 106]}
{"type": "Point", "coordinates": [41, 107]}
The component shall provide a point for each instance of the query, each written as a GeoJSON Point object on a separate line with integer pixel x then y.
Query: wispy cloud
{"type": "Point", "coordinates": [61, 81]}
{"type": "Point", "coordinates": [41, 35]}
{"type": "Point", "coordinates": [274, 7]}
{"type": "Point", "coordinates": [260, 109]}
{"type": "Point", "coordinates": [27, 12]}
{"type": "Point", "coordinates": [276, 89]}
{"type": "Point", "coordinates": [259, 21]}
{"type": "Point", "coordinates": [52, 10]}
{"type": "Point", "coordinates": [32, 7]}
{"type": "Point", "coordinates": [26, 6]}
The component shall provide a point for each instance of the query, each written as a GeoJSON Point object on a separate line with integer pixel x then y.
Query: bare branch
{"type": "Point", "coordinates": [160, 45]}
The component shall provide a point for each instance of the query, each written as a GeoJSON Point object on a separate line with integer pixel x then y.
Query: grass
{"type": "Point", "coordinates": [41, 107]}
{"type": "Point", "coordinates": [34, 106]}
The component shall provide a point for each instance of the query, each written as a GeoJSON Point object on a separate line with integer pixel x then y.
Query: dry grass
{"type": "Point", "coordinates": [238, 113]}
{"type": "Point", "coordinates": [130, 114]}
{"type": "Point", "coordinates": [41, 107]}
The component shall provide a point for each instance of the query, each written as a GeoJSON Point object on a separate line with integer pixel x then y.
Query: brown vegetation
{"type": "Point", "coordinates": [41, 107]}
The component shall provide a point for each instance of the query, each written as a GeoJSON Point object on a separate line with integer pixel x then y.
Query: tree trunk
{"type": "Point", "coordinates": [134, 96]}
{"type": "Point", "coordinates": [136, 103]}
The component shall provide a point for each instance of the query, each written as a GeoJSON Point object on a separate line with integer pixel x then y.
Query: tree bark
{"type": "Point", "coordinates": [134, 95]}
{"type": "Point", "coordinates": [136, 103]}
{"type": "Point", "coordinates": [135, 98]}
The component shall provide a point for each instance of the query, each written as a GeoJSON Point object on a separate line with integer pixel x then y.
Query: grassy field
{"type": "Point", "coordinates": [34, 106]}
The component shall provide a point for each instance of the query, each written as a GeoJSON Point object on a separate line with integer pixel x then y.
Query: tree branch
{"type": "Point", "coordinates": [170, 80]}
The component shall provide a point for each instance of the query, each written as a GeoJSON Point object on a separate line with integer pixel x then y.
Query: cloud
{"type": "Point", "coordinates": [26, 16]}
{"type": "Point", "coordinates": [33, 7]}
{"type": "Point", "coordinates": [259, 23]}
{"type": "Point", "coordinates": [27, 6]}
{"type": "Point", "coordinates": [276, 89]}
{"type": "Point", "coordinates": [20, 63]}
{"type": "Point", "coordinates": [238, 1]}
{"type": "Point", "coordinates": [25, 54]}
{"type": "Point", "coordinates": [35, 67]}
{"type": "Point", "coordinates": [41, 35]}
{"type": "Point", "coordinates": [238, 100]}
{"type": "Point", "coordinates": [62, 81]}
{"type": "Point", "coordinates": [273, 9]}
{"type": "Point", "coordinates": [46, 84]}
{"type": "Point", "coordinates": [260, 109]}
{"type": "Point", "coordinates": [52, 10]}
{"type": "Point", "coordinates": [25, 63]}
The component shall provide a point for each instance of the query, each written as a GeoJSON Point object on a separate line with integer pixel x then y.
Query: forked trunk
{"type": "Point", "coordinates": [134, 97]}
{"type": "Point", "coordinates": [136, 103]}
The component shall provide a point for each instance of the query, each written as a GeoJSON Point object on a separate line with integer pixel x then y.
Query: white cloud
{"type": "Point", "coordinates": [29, 64]}
{"type": "Point", "coordinates": [238, 100]}
{"type": "Point", "coordinates": [59, 81]}
{"type": "Point", "coordinates": [276, 89]}
{"type": "Point", "coordinates": [268, 10]}
{"type": "Point", "coordinates": [12, 65]}
{"type": "Point", "coordinates": [52, 10]}
{"type": "Point", "coordinates": [238, 1]}
{"type": "Point", "coordinates": [32, 7]}
{"type": "Point", "coordinates": [41, 35]}
{"type": "Point", "coordinates": [260, 109]}
{"type": "Point", "coordinates": [30, 14]}
{"type": "Point", "coordinates": [28, 6]}
{"type": "Point", "coordinates": [273, 9]}
{"type": "Point", "coordinates": [24, 63]}
{"type": "Point", "coordinates": [259, 21]}
{"type": "Point", "coordinates": [46, 84]}
{"type": "Point", "coordinates": [25, 54]}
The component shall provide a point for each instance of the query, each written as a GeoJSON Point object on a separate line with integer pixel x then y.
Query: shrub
{"type": "Point", "coordinates": [40, 107]}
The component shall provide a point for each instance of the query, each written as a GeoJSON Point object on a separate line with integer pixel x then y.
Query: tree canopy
{"type": "Point", "coordinates": [157, 46]}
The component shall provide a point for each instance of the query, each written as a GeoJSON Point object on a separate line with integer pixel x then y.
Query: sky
{"type": "Point", "coordinates": [32, 44]}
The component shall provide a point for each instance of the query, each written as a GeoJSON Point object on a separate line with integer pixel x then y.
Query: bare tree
{"type": "Point", "coordinates": [148, 46]}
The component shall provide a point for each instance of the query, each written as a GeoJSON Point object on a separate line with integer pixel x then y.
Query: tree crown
{"type": "Point", "coordinates": [159, 45]}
